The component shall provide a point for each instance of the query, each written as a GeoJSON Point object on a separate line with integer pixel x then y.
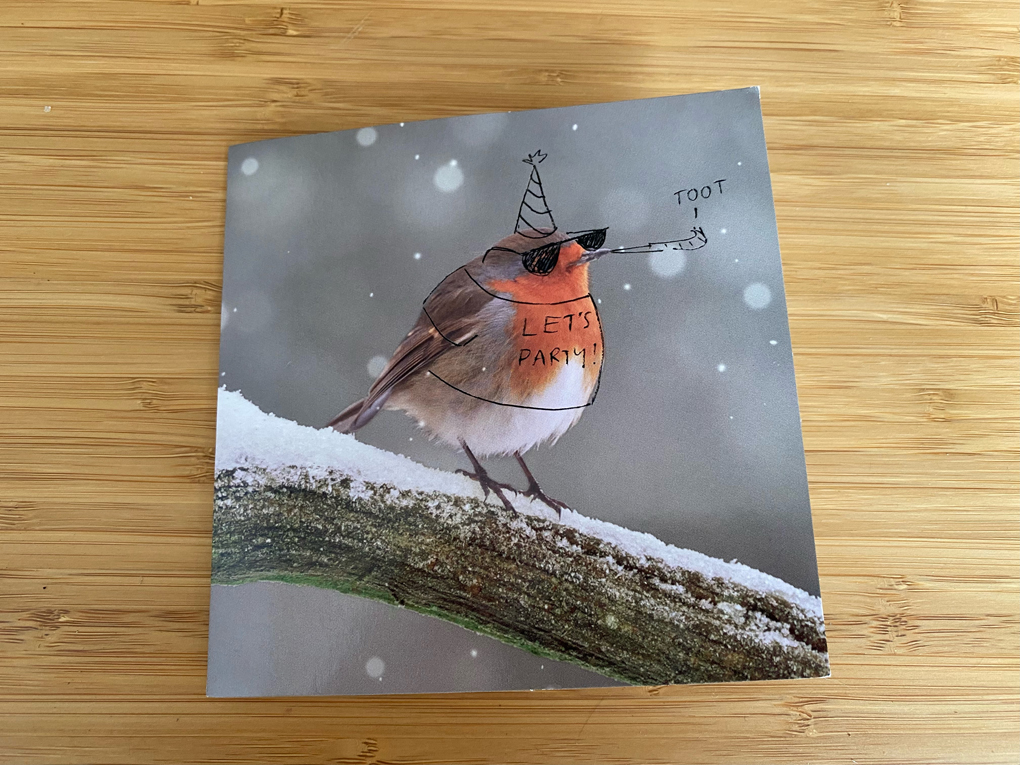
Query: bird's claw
{"type": "Point", "coordinates": [534, 492]}
{"type": "Point", "coordinates": [488, 483]}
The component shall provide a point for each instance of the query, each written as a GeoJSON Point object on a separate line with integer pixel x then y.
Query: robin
{"type": "Point", "coordinates": [507, 351]}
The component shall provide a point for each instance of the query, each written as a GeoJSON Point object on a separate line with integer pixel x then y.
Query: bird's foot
{"type": "Point", "coordinates": [534, 492]}
{"type": "Point", "coordinates": [488, 483]}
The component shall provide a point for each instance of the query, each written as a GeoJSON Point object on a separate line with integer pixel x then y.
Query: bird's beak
{"type": "Point", "coordinates": [591, 255]}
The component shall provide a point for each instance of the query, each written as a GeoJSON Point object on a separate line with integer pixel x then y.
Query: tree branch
{"type": "Point", "coordinates": [614, 601]}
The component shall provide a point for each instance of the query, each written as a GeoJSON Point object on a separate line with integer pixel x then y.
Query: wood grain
{"type": "Point", "coordinates": [892, 130]}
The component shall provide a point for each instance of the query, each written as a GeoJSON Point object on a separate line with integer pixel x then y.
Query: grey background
{"type": "Point", "coordinates": [320, 276]}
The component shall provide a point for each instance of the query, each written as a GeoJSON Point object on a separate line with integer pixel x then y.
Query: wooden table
{"type": "Point", "coordinates": [892, 129]}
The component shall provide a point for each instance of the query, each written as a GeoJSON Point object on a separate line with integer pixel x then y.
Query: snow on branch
{"type": "Point", "coordinates": [316, 507]}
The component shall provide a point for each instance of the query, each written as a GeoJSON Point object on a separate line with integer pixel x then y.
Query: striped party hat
{"type": "Point", "coordinates": [534, 219]}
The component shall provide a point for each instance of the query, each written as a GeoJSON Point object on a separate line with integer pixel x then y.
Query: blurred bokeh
{"type": "Point", "coordinates": [333, 241]}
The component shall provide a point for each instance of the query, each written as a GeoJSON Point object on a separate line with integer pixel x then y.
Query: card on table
{"type": "Point", "coordinates": [508, 402]}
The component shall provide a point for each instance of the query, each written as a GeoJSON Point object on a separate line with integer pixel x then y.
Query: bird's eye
{"type": "Point", "coordinates": [542, 260]}
{"type": "Point", "coordinates": [593, 239]}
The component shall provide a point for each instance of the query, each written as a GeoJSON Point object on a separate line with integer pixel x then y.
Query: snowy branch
{"type": "Point", "coordinates": [314, 507]}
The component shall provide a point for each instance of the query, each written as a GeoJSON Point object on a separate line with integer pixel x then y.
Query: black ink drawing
{"type": "Point", "coordinates": [695, 241]}
{"type": "Point", "coordinates": [458, 376]}
{"type": "Point", "coordinates": [554, 375]}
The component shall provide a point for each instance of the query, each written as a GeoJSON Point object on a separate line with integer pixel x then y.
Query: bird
{"type": "Point", "coordinates": [507, 351]}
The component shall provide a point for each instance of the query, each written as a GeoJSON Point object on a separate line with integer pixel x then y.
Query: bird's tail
{"type": "Point", "coordinates": [358, 414]}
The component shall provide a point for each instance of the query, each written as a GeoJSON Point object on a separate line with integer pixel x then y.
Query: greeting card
{"type": "Point", "coordinates": [508, 402]}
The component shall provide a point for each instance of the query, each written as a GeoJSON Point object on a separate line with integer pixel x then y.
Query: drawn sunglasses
{"type": "Point", "coordinates": [542, 260]}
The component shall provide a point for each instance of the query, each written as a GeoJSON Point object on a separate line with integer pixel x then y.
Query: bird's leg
{"type": "Point", "coordinates": [535, 492]}
{"type": "Point", "coordinates": [487, 482]}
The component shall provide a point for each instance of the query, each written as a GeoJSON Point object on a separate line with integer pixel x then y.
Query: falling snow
{"type": "Point", "coordinates": [448, 177]}
{"type": "Point", "coordinates": [375, 667]}
{"type": "Point", "coordinates": [667, 263]}
{"type": "Point", "coordinates": [757, 296]}
{"type": "Point", "coordinates": [773, 342]}
{"type": "Point", "coordinates": [376, 365]}
{"type": "Point", "coordinates": [417, 256]}
{"type": "Point", "coordinates": [626, 287]}
{"type": "Point", "coordinates": [721, 367]}
{"type": "Point", "coordinates": [250, 166]}
{"type": "Point", "coordinates": [367, 136]}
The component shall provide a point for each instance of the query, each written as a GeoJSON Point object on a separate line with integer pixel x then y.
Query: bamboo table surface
{"type": "Point", "coordinates": [893, 132]}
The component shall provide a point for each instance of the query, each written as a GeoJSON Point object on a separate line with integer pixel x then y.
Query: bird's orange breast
{"type": "Point", "coordinates": [551, 338]}
{"type": "Point", "coordinates": [555, 327]}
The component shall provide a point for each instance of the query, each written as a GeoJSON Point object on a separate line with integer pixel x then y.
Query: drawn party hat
{"type": "Point", "coordinates": [534, 219]}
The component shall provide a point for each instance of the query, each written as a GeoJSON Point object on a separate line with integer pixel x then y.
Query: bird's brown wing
{"type": "Point", "coordinates": [449, 319]}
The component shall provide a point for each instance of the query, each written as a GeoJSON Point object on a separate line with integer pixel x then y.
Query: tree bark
{"type": "Point", "coordinates": [523, 579]}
